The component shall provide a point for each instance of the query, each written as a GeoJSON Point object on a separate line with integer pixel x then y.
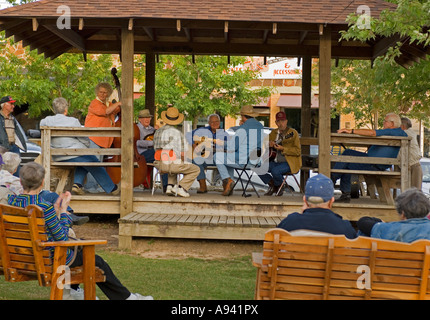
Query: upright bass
{"type": "Point", "coordinates": [139, 172]}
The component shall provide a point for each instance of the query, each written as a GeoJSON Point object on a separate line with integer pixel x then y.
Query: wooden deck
{"type": "Point", "coordinates": [211, 215]}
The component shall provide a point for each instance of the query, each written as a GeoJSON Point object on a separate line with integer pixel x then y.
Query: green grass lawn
{"type": "Point", "coordinates": [174, 279]}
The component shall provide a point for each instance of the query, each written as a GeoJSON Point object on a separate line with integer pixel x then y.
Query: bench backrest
{"type": "Point", "coordinates": [334, 267]}
{"type": "Point", "coordinates": [21, 229]}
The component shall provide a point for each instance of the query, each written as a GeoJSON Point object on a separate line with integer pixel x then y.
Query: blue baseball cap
{"type": "Point", "coordinates": [319, 189]}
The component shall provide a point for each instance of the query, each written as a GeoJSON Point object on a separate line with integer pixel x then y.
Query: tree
{"type": "Point", "coordinates": [31, 79]}
{"type": "Point", "coordinates": [203, 86]}
{"type": "Point", "coordinates": [366, 90]}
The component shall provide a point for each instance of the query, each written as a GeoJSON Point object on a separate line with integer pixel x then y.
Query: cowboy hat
{"type": "Point", "coordinates": [144, 114]}
{"type": "Point", "coordinates": [172, 116]}
{"type": "Point", "coordinates": [248, 111]}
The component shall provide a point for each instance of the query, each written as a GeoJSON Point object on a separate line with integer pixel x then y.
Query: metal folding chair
{"type": "Point", "coordinates": [254, 155]}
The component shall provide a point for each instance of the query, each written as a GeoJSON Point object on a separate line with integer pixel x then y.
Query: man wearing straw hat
{"type": "Point", "coordinates": [169, 154]}
{"type": "Point", "coordinates": [248, 138]}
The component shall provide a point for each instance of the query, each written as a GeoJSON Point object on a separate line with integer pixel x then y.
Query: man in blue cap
{"type": "Point", "coordinates": [317, 214]}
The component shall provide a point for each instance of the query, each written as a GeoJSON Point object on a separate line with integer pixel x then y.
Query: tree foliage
{"type": "Point", "coordinates": [366, 90]}
{"type": "Point", "coordinates": [203, 86]}
{"type": "Point", "coordinates": [32, 79]}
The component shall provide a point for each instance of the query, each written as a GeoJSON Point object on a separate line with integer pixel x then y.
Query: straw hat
{"type": "Point", "coordinates": [248, 111]}
{"type": "Point", "coordinates": [172, 116]}
{"type": "Point", "coordinates": [144, 114]}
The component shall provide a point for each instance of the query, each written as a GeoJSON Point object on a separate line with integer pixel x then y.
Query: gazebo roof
{"type": "Point", "coordinates": [235, 27]}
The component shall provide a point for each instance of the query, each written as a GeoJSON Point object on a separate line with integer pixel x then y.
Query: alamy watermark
{"type": "Point", "coordinates": [363, 21]}
{"type": "Point", "coordinates": [64, 20]}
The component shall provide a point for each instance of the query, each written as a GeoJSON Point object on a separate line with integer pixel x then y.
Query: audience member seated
{"type": "Point", "coordinates": [247, 139]}
{"type": "Point", "coordinates": [317, 214]}
{"type": "Point", "coordinates": [285, 155]}
{"type": "Point", "coordinates": [205, 142]}
{"type": "Point", "coordinates": [413, 208]}
{"type": "Point", "coordinates": [170, 154]}
{"type": "Point", "coordinates": [60, 106]}
{"type": "Point", "coordinates": [11, 184]}
{"type": "Point", "coordinates": [57, 225]}
{"type": "Point", "coordinates": [391, 128]}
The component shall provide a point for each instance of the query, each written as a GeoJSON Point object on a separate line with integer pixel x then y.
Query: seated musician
{"type": "Point", "coordinates": [101, 113]}
{"type": "Point", "coordinates": [169, 154]}
{"type": "Point", "coordinates": [205, 142]}
{"type": "Point", "coordinates": [285, 155]}
{"type": "Point", "coordinates": [247, 139]}
{"type": "Point", "coordinates": [61, 106]}
{"type": "Point", "coordinates": [391, 127]}
{"type": "Point", "coordinates": [145, 144]}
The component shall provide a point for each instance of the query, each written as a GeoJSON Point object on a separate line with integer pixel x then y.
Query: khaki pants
{"type": "Point", "coordinates": [190, 172]}
{"type": "Point", "coordinates": [416, 176]}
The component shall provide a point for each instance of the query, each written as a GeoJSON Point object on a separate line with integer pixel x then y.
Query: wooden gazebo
{"type": "Point", "coordinates": [307, 29]}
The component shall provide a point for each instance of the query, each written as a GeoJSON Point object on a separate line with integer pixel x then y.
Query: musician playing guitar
{"type": "Point", "coordinates": [286, 156]}
{"type": "Point", "coordinates": [205, 142]}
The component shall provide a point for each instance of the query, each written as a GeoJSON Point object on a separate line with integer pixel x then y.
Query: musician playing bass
{"type": "Point", "coordinates": [285, 154]}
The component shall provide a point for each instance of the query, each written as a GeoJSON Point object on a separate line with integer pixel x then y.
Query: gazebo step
{"type": "Point", "coordinates": [227, 227]}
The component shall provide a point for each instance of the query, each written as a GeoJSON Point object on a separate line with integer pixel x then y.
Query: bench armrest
{"type": "Point", "coordinates": [72, 243]}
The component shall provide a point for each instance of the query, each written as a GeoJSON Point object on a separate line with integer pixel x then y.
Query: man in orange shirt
{"type": "Point", "coordinates": [101, 113]}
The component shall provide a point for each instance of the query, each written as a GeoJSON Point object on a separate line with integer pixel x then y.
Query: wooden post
{"type": "Point", "coordinates": [306, 109]}
{"type": "Point", "coordinates": [150, 85]}
{"type": "Point", "coordinates": [46, 156]}
{"type": "Point", "coordinates": [324, 127]}
{"type": "Point", "coordinates": [127, 161]}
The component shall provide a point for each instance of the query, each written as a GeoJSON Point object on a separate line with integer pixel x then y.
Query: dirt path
{"type": "Point", "coordinates": [106, 227]}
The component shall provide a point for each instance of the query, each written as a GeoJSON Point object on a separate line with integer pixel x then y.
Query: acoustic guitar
{"type": "Point", "coordinates": [273, 151]}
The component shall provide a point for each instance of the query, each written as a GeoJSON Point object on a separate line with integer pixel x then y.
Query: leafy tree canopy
{"type": "Point", "coordinates": [366, 90]}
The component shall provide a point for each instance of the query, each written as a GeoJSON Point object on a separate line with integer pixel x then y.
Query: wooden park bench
{"type": "Point", "coordinates": [25, 254]}
{"type": "Point", "coordinates": [334, 267]}
{"type": "Point", "coordinates": [383, 180]}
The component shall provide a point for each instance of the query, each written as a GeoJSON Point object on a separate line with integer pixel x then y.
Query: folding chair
{"type": "Point", "coordinates": [254, 155]}
{"type": "Point", "coordinates": [285, 181]}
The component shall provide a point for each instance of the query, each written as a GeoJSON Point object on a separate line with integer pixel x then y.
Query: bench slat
{"type": "Point", "coordinates": [327, 267]}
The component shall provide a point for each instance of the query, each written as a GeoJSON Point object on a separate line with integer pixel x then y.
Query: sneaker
{"type": "Point", "coordinates": [77, 189]}
{"type": "Point", "coordinates": [171, 190]}
{"type": "Point", "coordinates": [137, 296]}
{"type": "Point", "coordinates": [344, 198]}
{"type": "Point", "coordinates": [116, 191]}
{"type": "Point", "coordinates": [182, 193]}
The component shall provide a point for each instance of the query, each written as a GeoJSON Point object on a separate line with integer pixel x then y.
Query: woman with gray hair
{"type": "Point", "coordinates": [60, 106]}
{"type": "Point", "coordinates": [101, 113]}
{"type": "Point", "coordinates": [11, 162]}
{"type": "Point", "coordinates": [413, 207]}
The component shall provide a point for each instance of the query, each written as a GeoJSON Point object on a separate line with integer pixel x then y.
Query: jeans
{"type": "Point", "coordinates": [276, 172]}
{"type": "Point", "coordinates": [203, 163]}
{"type": "Point", "coordinates": [51, 197]}
{"type": "Point", "coordinates": [226, 163]}
{"type": "Point", "coordinates": [345, 178]}
{"type": "Point", "coordinates": [99, 173]}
